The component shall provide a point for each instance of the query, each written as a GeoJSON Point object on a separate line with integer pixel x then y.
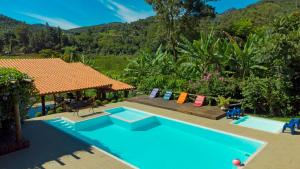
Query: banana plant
{"type": "Point", "coordinates": [201, 56]}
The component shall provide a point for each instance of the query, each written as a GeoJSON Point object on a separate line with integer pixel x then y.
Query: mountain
{"type": "Point", "coordinates": [130, 38]}
{"type": "Point", "coordinates": [7, 24]}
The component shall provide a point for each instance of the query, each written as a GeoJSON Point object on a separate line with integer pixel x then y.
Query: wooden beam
{"type": "Point", "coordinates": [43, 104]}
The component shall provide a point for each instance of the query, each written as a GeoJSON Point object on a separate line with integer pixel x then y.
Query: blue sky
{"type": "Point", "coordinates": [69, 14]}
{"type": "Point", "coordinates": [75, 13]}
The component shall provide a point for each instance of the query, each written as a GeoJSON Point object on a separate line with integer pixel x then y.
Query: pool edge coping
{"type": "Point", "coordinates": [263, 143]}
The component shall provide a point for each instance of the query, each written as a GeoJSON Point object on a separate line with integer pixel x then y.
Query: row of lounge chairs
{"type": "Point", "coordinates": [181, 99]}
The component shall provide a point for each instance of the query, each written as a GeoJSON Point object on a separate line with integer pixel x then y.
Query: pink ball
{"type": "Point", "coordinates": [236, 162]}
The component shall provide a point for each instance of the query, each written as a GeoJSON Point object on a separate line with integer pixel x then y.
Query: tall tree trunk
{"type": "Point", "coordinates": [17, 119]}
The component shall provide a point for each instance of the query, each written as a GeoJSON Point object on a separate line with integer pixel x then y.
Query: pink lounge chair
{"type": "Point", "coordinates": [199, 101]}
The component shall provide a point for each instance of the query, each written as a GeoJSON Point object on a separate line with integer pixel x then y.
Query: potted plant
{"type": "Point", "coordinates": [223, 102]}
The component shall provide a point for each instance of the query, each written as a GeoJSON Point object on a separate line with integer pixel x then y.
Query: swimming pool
{"type": "Point", "coordinates": [148, 141]}
{"type": "Point", "coordinates": [267, 125]}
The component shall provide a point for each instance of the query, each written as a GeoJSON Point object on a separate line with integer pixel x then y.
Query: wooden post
{"type": "Point", "coordinates": [17, 119]}
{"type": "Point", "coordinates": [78, 95]}
{"type": "Point", "coordinates": [126, 93]}
{"type": "Point", "coordinates": [43, 104]}
{"type": "Point", "coordinates": [54, 99]}
{"type": "Point", "coordinates": [99, 96]}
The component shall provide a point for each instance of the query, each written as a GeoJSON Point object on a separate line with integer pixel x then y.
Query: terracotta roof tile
{"type": "Point", "coordinates": [116, 85]}
{"type": "Point", "coordinates": [56, 76]}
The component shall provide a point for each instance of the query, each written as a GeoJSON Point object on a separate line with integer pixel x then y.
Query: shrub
{"type": "Point", "coordinates": [113, 101]}
{"type": "Point", "coordinates": [51, 112]}
{"type": "Point", "coordinates": [38, 114]}
{"type": "Point", "coordinates": [223, 102]}
{"type": "Point", "coordinates": [98, 102]}
{"type": "Point", "coordinates": [105, 102]}
{"type": "Point", "coordinates": [59, 110]}
{"type": "Point", "coordinates": [267, 96]}
{"type": "Point", "coordinates": [49, 53]}
{"type": "Point", "coordinates": [120, 99]}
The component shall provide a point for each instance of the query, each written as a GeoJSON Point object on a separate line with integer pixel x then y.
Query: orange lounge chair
{"type": "Point", "coordinates": [199, 101]}
{"type": "Point", "coordinates": [182, 98]}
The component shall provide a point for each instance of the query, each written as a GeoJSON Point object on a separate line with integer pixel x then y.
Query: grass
{"type": "Point", "coordinates": [111, 65]}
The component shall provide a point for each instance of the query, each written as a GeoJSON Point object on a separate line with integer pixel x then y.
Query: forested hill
{"type": "Point", "coordinates": [127, 38]}
{"type": "Point", "coordinates": [8, 24]}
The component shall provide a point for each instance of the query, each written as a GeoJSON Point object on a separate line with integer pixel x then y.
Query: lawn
{"type": "Point", "coordinates": [111, 65]}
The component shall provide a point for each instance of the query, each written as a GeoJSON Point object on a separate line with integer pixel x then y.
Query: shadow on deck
{"type": "Point", "coordinates": [210, 112]}
{"type": "Point", "coordinates": [47, 144]}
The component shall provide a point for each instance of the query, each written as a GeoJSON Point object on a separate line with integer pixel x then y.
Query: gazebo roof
{"type": "Point", "coordinates": [56, 76]}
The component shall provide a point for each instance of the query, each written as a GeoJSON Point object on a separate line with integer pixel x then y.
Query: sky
{"type": "Point", "coordinates": [69, 14]}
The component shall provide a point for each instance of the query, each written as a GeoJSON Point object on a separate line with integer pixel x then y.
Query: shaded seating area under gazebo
{"type": "Point", "coordinates": [54, 76]}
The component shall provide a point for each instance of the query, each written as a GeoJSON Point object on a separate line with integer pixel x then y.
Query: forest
{"type": "Point", "coordinates": [251, 55]}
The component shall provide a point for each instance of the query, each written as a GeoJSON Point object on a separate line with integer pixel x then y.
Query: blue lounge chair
{"type": "Point", "coordinates": [154, 93]}
{"type": "Point", "coordinates": [168, 95]}
{"type": "Point", "coordinates": [238, 112]}
{"type": "Point", "coordinates": [291, 125]}
{"type": "Point", "coordinates": [233, 113]}
{"type": "Point", "coordinates": [297, 121]}
{"type": "Point", "coordinates": [230, 113]}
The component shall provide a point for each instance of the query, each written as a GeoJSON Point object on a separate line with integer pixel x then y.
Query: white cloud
{"type": "Point", "coordinates": [62, 23]}
{"type": "Point", "coordinates": [126, 14]}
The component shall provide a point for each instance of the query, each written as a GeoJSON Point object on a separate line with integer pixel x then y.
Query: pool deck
{"type": "Point", "coordinates": [52, 149]}
{"type": "Point", "coordinates": [210, 112]}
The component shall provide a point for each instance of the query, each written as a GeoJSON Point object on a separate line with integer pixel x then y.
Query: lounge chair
{"type": "Point", "coordinates": [230, 114]}
{"type": "Point", "coordinates": [182, 98]}
{"type": "Point", "coordinates": [297, 121]}
{"type": "Point", "coordinates": [238, 112]}
{"type": "Point", "coordinates": [199, 101]}
{"type": "Point", "coordinates": [291, 125]}
{"type": "Point", "coordinates": [234, 113]}
{"type": "Point", "coordinates": [168, 95]}
{"type": "Point", "coordinates": [154, 93]}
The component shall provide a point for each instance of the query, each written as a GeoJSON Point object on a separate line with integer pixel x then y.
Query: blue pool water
{"type": "Point", "coordinates": [224, 5]}
{"type": "Point", "coordinates": [155, 142]}
{"type": "Point", "coordinates": [33, 110]}
{"type": "Point", "coordinates": [126, 114]}
{"type": "Point", "coordinates": [260, 124]}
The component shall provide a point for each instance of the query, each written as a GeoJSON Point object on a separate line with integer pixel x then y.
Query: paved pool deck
{"type": "Point", "coordinates": [52, 149]}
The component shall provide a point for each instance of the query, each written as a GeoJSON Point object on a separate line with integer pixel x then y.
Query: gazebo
{"type": "Point", "coordinates": [54, 76]}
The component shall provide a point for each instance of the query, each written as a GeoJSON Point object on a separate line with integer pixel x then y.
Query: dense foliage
{"type": "Point", "coordinates": [242, 54]}
{"type": "Point", "coordinates": [14, 87]}
{"type": "Point", "coordinates": [262, 68]}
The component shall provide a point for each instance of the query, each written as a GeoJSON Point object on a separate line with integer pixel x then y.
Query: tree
{"type": "Point", "coordinates": [16, 89]}
{"type": "Point", "coordinates": [179, 17]}
{"type": "Point", "coordinates": [22, 34]}
{"type": "Point", "coordinates": [1, 45]}
{"type": "Point", "coordinates": [9, 39]}
{"type": "Point", "coordinates": [70, 54]}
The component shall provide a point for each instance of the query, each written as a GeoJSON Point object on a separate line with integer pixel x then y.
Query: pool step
{"type": "Point", "coordinates": [144, 123]}
{"type": "Point", "coordinates": [64, 124]}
